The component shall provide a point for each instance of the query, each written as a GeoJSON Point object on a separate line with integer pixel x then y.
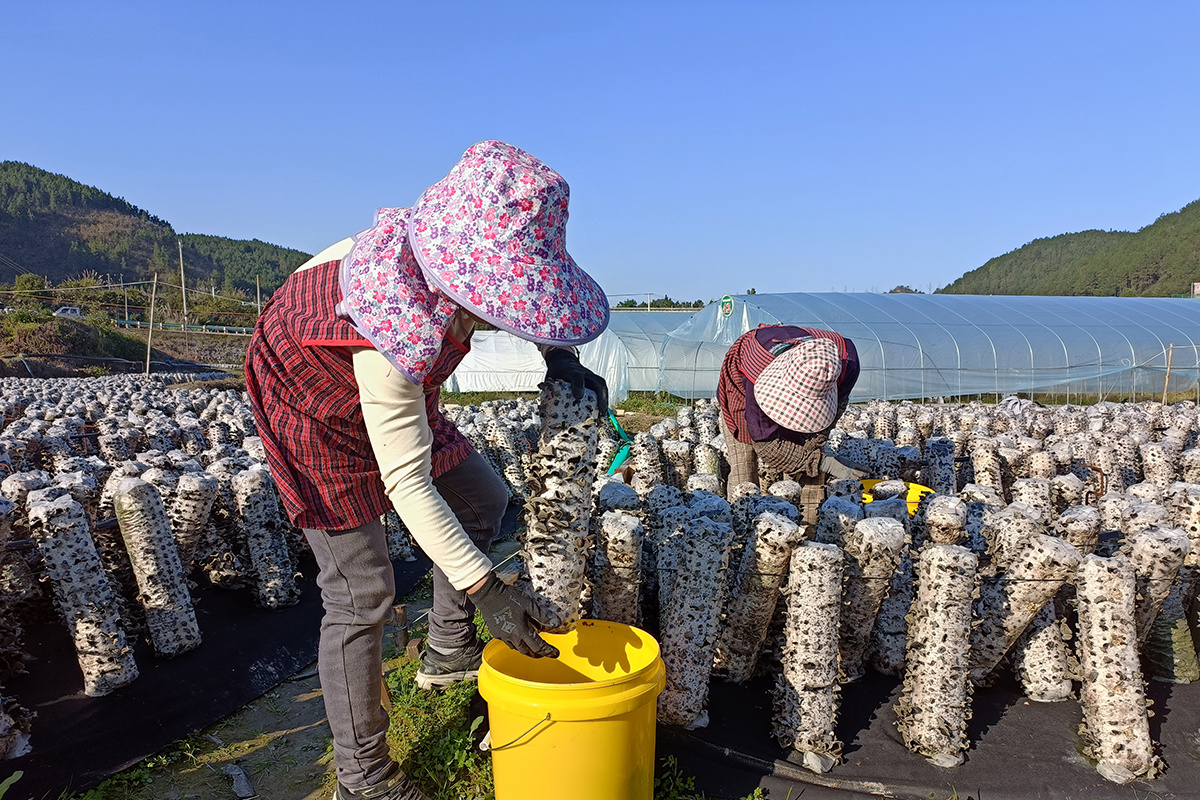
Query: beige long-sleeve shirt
{"type": "Point", "coordinates": [394, 413]}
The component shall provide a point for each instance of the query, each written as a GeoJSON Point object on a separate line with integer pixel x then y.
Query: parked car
{"type": "Point", "coordinates": [71, 312]}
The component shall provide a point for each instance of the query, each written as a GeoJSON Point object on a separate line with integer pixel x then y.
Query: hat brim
{"type": "Point", "coordinates": [552, 303]}
{"type": "Point", "coordinates": [782, 410]}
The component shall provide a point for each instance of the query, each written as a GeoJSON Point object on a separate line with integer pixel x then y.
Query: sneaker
{"type": "Point", "coordinates": [396, 786]}
{"type": "Point", "coordinates": [439, 669]}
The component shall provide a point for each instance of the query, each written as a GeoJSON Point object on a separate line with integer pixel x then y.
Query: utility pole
{"type": "Point", "coordinates": [258, 293]}
{"type": "Point", "coordinates": [183, 293]}
{"type": "Point", "coordinates": [1167, 379]}
{"type": "Point", "coordinates": [182, 282]}
{"type": "Point", "coordinates": [150, 335]}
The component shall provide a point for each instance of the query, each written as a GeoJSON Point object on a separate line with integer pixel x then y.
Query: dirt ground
{"type": "Point", "coordinates": [280, 742]}
{"type": "Point", "coordinates": [637, 422]}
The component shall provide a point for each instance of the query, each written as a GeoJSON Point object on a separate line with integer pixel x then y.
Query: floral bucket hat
{"type": "Point", "coordinates": [491, 236]}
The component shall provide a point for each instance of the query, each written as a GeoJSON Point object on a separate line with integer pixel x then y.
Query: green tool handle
{"type": "Point", "coordinates": [617, 427]}
{"type": "Point", "coordinates": [619, 459]}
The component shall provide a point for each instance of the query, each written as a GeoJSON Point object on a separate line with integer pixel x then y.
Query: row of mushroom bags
{"type": "Point", "coordinates": [1057, 543]}
{"type": "Point", "coordinates": [120, 495]}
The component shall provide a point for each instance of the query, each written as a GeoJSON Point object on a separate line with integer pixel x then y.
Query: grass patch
{"type": "Point", "coordinates": [115, 344]}
{"type": "Point", "coordinates": [431, 735]}
{"type": "Point", "coordinates": [659, 404]}
{"type": "Point", "coordinates": [139, 777]}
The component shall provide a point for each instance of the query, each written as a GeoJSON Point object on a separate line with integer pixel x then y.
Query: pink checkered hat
{"type": "Point", "coordinates": [491, 236]}
{"type": "Point", "coordinates": [798, 389]}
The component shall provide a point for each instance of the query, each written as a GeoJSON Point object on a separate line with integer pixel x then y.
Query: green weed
{"type": "Point", "coordinates": [432, 737]}
{"type": "Point", "coordinates": [7, 783]}
{"type": "Point", "coordinates": [672, 784]}
{"type": "Point", "coordinates": [658, 404]}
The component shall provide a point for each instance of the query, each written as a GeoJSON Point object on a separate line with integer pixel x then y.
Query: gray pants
{"type": "Point", "coordinates": [743, 468]}
{"type": "Point", "coordinates": [357, 592]}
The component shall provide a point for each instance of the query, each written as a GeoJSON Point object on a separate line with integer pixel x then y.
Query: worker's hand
{"type": "Point", "coordinates": [563, 365]}
{"type": "Point", "coordinates": [514, 617]}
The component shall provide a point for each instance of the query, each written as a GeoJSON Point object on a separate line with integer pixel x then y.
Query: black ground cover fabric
{"type": "Point", "coordinates": [246, 651]}
{"type": "Point", "coordinates": [1019, 749]}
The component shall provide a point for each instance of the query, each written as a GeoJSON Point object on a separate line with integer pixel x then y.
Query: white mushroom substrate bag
{"type": "Point", "coordinates": [938, 473]}
{"type": "Point", "coordinates": [617, 571]}
{"type": "Point", "coordinates": [690, 624]}
{"type": "Point", "coordinates": [16, 722]}
{"type": "Point", "coordinates": [806, 692]}
{"type": "Point", "coordinates": [163, 589]}
{"type": "Point", "coordinates": [761, 572]}
{"type": "Point", "coordinates": [1009, 601]}
{"type": "Point", "coordinates": [890, 632]}
{"type": "Point", "coordinates": [559, 508]}
{"type": "Point", "coordinates": [83, 595]}
{"type": "Point", "coordinates": [1156, 555]}
{"type": "Point", "coordinates": [1041, 659]}
{"type": "Point", "coordinates": [669, 533]}
{"type": "Point", "coordinates": [836, 518]}
{"type": "Point", "coordinates": [1116, 727]}
{"type": "Point", "coordinates": [261, 527]}
{"type": "Point", "coordinates": [189, 513]}
{"type": "Point", "coordinates": [1169, 650]}
{"type": "Point", "coordinates": [872, 548]}
{"type": "Point", "coordinates": [935, 705]}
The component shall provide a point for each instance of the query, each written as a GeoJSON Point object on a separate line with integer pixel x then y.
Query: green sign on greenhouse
{"type": "Point", "coordinates": [726, 306]}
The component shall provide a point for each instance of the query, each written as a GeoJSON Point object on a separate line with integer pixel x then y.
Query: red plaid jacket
{"type": "Point", "coordinates": [305, 400]}
{"type": "Point", "coordinates": [750, 354]}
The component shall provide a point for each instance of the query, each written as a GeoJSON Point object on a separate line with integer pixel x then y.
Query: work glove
{"type": "Point", "coordinates": [837, 469]}
{"type": "Point", "coordinates": [563, 365]}
{"type": "Point", "coordinates": [514, 617]}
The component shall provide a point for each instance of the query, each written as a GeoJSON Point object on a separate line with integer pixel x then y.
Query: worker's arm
{"type": "Point", "coordinates": [394, 413]}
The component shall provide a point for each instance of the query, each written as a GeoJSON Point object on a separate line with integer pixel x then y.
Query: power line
{"type": "Point", "coordinates": [68, 289]}
{"type": "Point", "coordinates": [13, 265]}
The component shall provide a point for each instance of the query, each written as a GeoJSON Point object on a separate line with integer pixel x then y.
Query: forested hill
{"type": "Point", "coordinates": [1160, 259]}
{"type": "Point", "coordinates": [53, 226]}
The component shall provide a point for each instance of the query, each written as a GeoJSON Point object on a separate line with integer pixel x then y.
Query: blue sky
{"type": "Point", "coordinates": [710, 147]}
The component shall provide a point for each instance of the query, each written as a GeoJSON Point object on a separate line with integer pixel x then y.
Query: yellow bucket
{"type": "Point", "coordinates": [579, 726]}
{"type": "Point", "coordinates": [915, 492]}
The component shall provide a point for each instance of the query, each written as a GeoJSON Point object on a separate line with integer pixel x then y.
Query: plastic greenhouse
{"type": "Point", "coordinates": [627, 355]}
{"type": "Point", "coordinates": [909, 345]}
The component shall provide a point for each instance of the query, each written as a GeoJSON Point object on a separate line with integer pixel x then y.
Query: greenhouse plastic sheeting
{"type": "Point", "coordinates": [626, 355]}
{"type": "Point", "coordinates": [914, 345]}
{"type": "Point", "coordinates": [630, 350]}
{"type": "Point", "coordinates": [909, 345]}
{"type": "Point", "coordinates": [498, 362]}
